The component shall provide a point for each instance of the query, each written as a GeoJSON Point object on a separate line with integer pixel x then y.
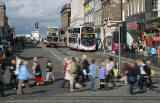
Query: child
{"type": "Point", "coordinates": [102, 76]}
{"type": "Point", "coordinates": [38, 73]}
{"type": "Point", "coordinates": [49, 75]}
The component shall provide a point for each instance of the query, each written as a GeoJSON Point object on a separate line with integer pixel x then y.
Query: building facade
{"type": "Point", "coordinates": [97, 14]}
{"type": "Point", "coordinates": [142, 21]}
{"type": "Point", "coordinates": [77, 13]}
{"type": "Point", "coordinates": [65, 16]}
{"type": "Point", "coordinates": [4, 27]}
{"type": "Point", "coordinates": [89, 17]}
{"type": "Point", "coordinates": [111, 15]}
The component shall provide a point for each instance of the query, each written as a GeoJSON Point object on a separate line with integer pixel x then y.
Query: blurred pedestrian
{"type": "Point", "coordinates": [64, 72]}
{"type": "Point", "coordinates": [102, 76]}
{"type": "Point", "coordinates": [49, 75]}
{"type": "Point", "coordinates": [144, 72]}
{"type": "Point", "coordinates": [92, 74]}
{"type": "Point", "coordinates": [18, 64]}
{"type": "Point", "coordinates": [37, 73]}
{"type": "Point", "coordinates": [73, 74]}
{"type": "Point", "coordinates": [110, 72]}
{"type": "Point", "coordinates": [13, 76]}
{"type": "Point", "coordinates": [153, 53]}
{"type": "Point", "coordinates": [85, 65]}
{"type": "Point", "coordinates": [23, 75]}
{"type": "Point", "coordinates": [80, 71]}
{"type": "Point", "coordinates": [132, 77]}
{"type": "Point", "coordinates": [125, 70]}
{"type": "Point", "coordinates": [1, 80]}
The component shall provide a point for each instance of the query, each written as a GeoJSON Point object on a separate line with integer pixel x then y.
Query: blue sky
{"type": "Point", "coordinates": [22, 14]}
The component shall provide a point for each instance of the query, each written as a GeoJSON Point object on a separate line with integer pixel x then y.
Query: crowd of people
{"type": "Point", "coordinates": [78, 71]}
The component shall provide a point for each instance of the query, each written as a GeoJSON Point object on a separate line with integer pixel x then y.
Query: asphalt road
{"type": "Point", "coordinates": [52, 93]}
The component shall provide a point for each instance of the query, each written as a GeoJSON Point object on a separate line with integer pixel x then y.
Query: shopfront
{"type": "Point", "coordinates": [151, 35]}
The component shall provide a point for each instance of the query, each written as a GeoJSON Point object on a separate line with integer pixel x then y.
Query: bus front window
{"type": "Point", "coordinates": [88, 39]}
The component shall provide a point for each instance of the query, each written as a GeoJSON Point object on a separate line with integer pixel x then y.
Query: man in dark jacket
{"type": "Point", "coordinates": [1, 80]}
{"type": "Point", "coordinates": [144, 73]}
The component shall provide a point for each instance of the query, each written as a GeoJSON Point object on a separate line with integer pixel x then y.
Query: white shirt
{"type": "Point", "coordinates": [112, 65]}
{"type": "Point", "coordinates": [142, 69]}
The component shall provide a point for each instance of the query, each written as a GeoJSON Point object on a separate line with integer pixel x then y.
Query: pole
{"type": "Point", "coordinates": [119, 41]}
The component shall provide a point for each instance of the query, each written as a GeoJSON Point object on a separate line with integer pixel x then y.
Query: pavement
{"type": "Point", "coordinates": [52, 93]}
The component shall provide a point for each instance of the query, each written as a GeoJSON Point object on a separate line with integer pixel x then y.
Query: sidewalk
{"type": "Point", "coordinates": [156, 68]}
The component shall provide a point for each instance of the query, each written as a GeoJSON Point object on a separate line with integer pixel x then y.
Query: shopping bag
{"type": "Point", "coordinates": [84, 72]}
{"type": "Point", "coordinates": [152, 72]}
{"type": "Point", "coordinates": [115, 72]}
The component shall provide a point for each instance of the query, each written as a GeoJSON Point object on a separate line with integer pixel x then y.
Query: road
{"type": "Point", "coordinates": [52, 93]}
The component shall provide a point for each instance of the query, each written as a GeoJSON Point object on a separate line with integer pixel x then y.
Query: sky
{"type": "Point", "coordinates": [22, 14]}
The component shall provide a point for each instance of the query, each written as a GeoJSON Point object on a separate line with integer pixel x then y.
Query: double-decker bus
{"type": "Point", "coordinates": [52, 37]}
{"type": "Point", "coordinates": [82, 38]}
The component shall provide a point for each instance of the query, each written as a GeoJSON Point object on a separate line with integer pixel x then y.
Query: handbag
{"type": "Point", "coordinates": [84, 72]}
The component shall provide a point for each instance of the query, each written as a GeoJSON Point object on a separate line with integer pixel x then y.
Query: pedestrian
{"type": "Point", "coordinates": [64, 72]}
{"type": "Point", "coordinates": [35, 58]}
{"type": "Point", "coordinates": [1, 80]}
{"type": "Point", "coordinates": [85, 65]}
{"type": "Point", "coordinates": [110, 72]}
{"type": "Point", "coordinates": [153, 53]}
{"type": "Point", "coordinates": [125, 70]}
{"type": "Point", "coordinates": [13, 76]}
{"type": "Point", "coordinates": [92, 74]}
{"type": "Point", "coordinates": [37, 73]}
{"type": "Point", "coordinates": [18, 64]}
{"type": "Point", "coordinates": [80, 71]}
{"type": "Point", "coordinates": [73, 74]}
{"type": "Point", "coordinates": [149, 79]}
{"type": "Point", "coordinates": [132, 77]}
{"type": "Point", "coordinates": [102, 76]}
{"type": "Point", "coordinates": [23, 75]}
{"type": "Point", "coordinates": [49, 75]}
{"type": "Point", "coordinates": [144, 72]}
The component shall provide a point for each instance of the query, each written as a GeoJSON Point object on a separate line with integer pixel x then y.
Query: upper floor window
{"type": "Point", "coordinates": [154, 4]}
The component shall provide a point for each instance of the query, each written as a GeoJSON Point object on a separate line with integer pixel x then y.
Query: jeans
{"type": "Point", "coordinates": [92, 82]}
{"type": "Point", "coordinates": [131, 88]}
{"type": "Point", "coordinates": [137, 82]}
{"type": "Point", "coordinates": [63, 83]}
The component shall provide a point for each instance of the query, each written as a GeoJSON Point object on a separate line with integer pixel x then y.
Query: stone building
{"type": "Point", "coordinates": [111, 15]}
{"type": "Point", "coordinates": [77, 13]}
{"type": "Point", "coordinates": [4, 27]}
{"type": "Point", "coordinates": [66, 16]}
{"type": "Point", "coordinates": [89, 12]}
{"type": "Point", "coordinates": [142, 20]}
{"type": "Point", "coordinates": [97, 15]}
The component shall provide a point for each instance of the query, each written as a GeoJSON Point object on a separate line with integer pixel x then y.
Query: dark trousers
{"type": "Point", "coordinates": [13, 81]}
{"type": "Point", "coordinates": [110, 79]}
{"type": "Point", "coordinates": [102, 83]}
{"type": "Point", "coordinates": [143, 81]}
{"type": "Point", "coordinates": [131, 88]}
{"type": "Point", "coordinates": [64, 82]}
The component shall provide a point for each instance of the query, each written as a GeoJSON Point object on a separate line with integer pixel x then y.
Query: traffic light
{"type": "Point", "coordinates": [115, 35]}
{"type": "Point", "coordinates": [140, 26]}
{"type": "Point", "coordinates": [123, 38]}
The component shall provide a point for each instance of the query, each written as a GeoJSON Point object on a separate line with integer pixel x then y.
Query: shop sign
{"type": "Point", "coordinates": [133, 26]}
{"type": "Point", "coordinates": [150, 25]}
{"type": "Point", "coordinates": [156, 38]}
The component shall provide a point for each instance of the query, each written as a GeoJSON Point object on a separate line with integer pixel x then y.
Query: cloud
{"type": "Point", "coordinates": [23, 14]}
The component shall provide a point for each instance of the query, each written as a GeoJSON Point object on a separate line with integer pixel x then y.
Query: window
{"type": "Point", "coordinates": [154, 4]}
